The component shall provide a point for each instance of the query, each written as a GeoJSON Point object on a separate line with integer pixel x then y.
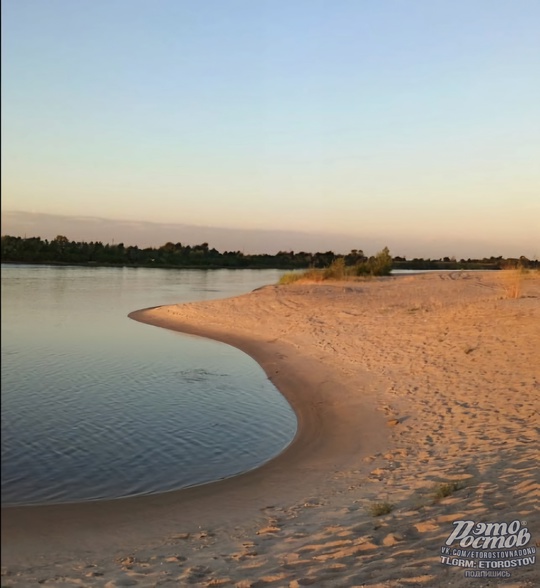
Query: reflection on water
{"type": "Point", "coordinates": [98, 406]}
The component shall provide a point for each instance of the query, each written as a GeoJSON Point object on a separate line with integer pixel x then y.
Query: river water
{"type": "Point", "coordinates": [97, 406]}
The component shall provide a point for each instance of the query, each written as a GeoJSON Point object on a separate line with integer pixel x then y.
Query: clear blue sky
{"type": "Point", "coordinates": [402, 117]}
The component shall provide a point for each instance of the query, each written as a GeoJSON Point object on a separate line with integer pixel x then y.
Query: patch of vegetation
{"type": "Point", "coordinates": [378, 265]}
{"type": "Point", "coordinates": [289, 278]}
{"type": "Point", "coordinates": [312, 275]}
{"type": "Point", "coordinates": [512, 280]}
{"type": "Point", "coordinates": [336, 270]}
{"type": "Point", "coordinates": [341, 269]}
{"type": "Point", "coordinates": [378, 509]}
{"type": "Point", "coordinates": [446, 489]}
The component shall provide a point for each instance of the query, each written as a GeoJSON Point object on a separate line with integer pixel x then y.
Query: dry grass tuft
{"type": "Point", "coordinates": [378, 509]}
{"type": "Point", "coordinates": [512, 282]}
{"type": "Point", "coordinates": [310, 275]}
{"type": "Point", "coordinates": [289, 278]}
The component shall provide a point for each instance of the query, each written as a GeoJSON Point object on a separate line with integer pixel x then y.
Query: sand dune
{"type": "Point", "coordinates": [419, 394]}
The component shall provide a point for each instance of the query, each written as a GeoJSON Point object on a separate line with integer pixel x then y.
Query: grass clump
{"type": "Point", "coordinates": [290, 278]}
{"type": "Point", "coordinates": [313, 275]}
{"type": "Point", "coordinates": [446, 489]}
{"type": "Point", "coordinates": [512, 281]}
{"type": "Point", "coordinates": [377, 265]}
{"type": "Point", "coordinates": [378, 509]}
{"type": "Point", "coordinates": [336, 270]}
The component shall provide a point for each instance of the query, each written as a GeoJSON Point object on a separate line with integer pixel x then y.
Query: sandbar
{"type": "Point", "coordinates": [401, 385]}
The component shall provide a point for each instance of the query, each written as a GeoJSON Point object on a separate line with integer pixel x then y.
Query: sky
{"type": "Point", "coordinates": [405, 122]}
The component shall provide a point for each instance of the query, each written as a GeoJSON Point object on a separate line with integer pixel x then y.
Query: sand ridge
{"type": "Point", "coordinates": [400, 384]}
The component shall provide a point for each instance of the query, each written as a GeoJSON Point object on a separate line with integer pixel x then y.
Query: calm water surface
{"type": "Point", "coordinates": [95, 405]}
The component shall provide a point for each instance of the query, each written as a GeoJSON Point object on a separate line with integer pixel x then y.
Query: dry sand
{"type": "Point", "coordinates": [399, 384]}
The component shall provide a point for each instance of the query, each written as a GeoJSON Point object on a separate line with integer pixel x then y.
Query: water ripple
{"type": "Point", "coordinates": [96, 406]}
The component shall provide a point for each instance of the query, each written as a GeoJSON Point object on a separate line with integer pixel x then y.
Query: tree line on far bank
{"type": "Point", "coordinates": [62, 251]}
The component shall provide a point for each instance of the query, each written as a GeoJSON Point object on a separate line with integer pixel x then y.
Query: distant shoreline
{"type": "Point", "coordinates": [148, 266]}
{"type": "Point", "coordinates": [62, 251]}
{"type": "Point", "coordinates": [221, 267]}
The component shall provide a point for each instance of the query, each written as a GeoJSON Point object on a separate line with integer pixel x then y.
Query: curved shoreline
{"type": "Point", "coordinates": [329, 435]}
{"type": "Point", "coordinates": [450, 360]}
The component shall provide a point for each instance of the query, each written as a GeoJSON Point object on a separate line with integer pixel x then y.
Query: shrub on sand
{"type": "Point", "coordinates": [382, 263]}
{"type": "Point", "coordinates": [378, 509]}
{"type": "Point", "coordinates": [378, 265]}
{"type": "Point", "coordinates": [446, 489]}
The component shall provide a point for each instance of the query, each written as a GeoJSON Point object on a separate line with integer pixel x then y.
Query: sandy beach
{"type": "Point", "coordinates": [417, 395]}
